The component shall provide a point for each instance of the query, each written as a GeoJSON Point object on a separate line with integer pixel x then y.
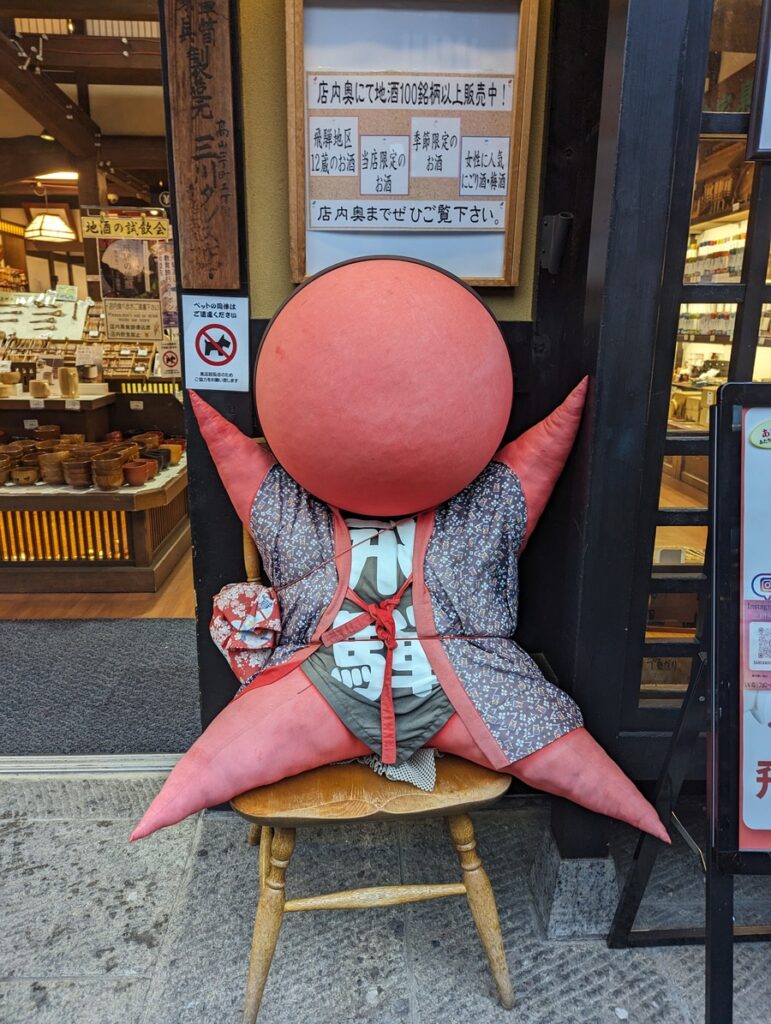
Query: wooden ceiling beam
{"type": "Point", "coordinates": [126, 184]}
{"type": "Point", "coordinates": [108, 76]}
{"type": "Point", "coordinates": [135, 152]}
{"type": "Point", "coordinates": [118, 10]}
{"type": "Point", "coordinates": [104, 60]}
{"type": "Point", "coordinates": [28, 156]}
{"type": "Point", "coordinates": [45, 101]}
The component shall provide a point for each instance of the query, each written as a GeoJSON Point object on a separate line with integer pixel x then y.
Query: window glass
{"type": "Point", "coordinates": [684, 481]}
{"type": "Point", "coordinates": [719, 212]}
{"type": "Point", "coordinates": [731, 64]}
{"type": "Point", "coordinates": [679, 545]}
{"type": "Point", "coordinates": [664, 680]}
{"type": "Point", "coordinates": [702, 355]}
{"type": "Point", "coordinates": [672, 615]}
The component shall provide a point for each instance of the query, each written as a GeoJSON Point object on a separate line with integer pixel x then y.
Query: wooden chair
{"type": "Point", "coordinates": [350, 793]}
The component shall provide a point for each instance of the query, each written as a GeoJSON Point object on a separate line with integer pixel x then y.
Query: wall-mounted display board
{"type": "Point", "coordinates": [408, 132]}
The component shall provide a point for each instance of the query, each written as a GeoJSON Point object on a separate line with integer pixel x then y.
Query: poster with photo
{"type": "Point", "coordinates": [128, 269]}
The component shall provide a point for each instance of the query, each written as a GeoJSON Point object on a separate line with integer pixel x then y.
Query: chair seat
{"type": "Point", "coordinates": [351, 792]}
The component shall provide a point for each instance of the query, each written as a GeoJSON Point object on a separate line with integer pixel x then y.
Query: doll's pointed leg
{"type": "Point", "coordinates": [576, 767]}
{"type": "Point", "coordinates": [270, 733]}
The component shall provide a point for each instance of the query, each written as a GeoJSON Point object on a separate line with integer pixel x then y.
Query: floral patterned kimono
{"type": "Point", "coordinates": [465, 595]}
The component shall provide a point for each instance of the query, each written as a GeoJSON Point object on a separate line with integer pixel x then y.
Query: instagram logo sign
{"type": "Point", "coordinates": [761, 585]}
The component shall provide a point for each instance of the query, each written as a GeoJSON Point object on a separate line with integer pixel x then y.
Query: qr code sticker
{"type": "Point", "coordinates": [760, 646]}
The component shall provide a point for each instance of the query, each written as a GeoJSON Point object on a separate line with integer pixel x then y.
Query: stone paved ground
{"type": "Point", "coordinates": [97, 932]}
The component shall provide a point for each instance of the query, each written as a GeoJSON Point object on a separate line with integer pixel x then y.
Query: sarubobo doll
{"type": "Point", "coordinates": [389, 522]}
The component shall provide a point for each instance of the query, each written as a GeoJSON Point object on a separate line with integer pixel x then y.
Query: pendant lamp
{"type": "Point", "coordinates": [48, 227]}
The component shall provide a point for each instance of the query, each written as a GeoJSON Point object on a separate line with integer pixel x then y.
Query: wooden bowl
{"type": "Point", "coordinates": [45, 446]}
{"type": "Point", "coordinates": [10, 376]}
{"type": "Point", "coordinates": [107, 461]}
{"type": "Point", "coordinates": [114, 436]}
{"type": "Point", "coordinates": [109, 479]}
{"type": "Point", "coordinates": [137, 472]}
{"type": "Point", "coordinates": [88, 451]}
{"type": "Point", "coordinates": [30, 459]}
{"type": "Point", "coordinates": [12, 451]}
{"type": "Point", "coordinates": [47, 432]}
{"type": "Point", "coordinates": [5, 468]}
{"type": "Point", "coordinates": [161, 455]}
{"type": "Point", "coordinates": [151, 438]}
{"type": "Point", "coordinates": [129, 449]}
{"type": "Point", "coordinates": [72, 439]}
{"type": "Point", "coordinates": [174, 450]}
{"type": "Point", "coordinates": [181, 441]}
{"type": "Point", "coordinates": [52, 466]}
{"type": "Point", "coordinates": [6, 390]}
{"type": "Point", "coordinates": [25, 476]}
{"type": "Point", "coordinates": [77, 472]}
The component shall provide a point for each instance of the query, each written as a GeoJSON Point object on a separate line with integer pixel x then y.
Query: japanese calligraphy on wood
{"type": "Point", "coordinates": [415, 162]}
{"type": "Point", "coordinates": [201, 101]}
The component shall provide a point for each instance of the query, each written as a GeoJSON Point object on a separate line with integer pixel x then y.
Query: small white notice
{"type": "Point", "coordinates": [216, 335]}
{"type": "Point", "coordinates": [385, 165]}
{"type": "Point", "coordinates": [333, 146]}
{"type": "Point", "coordinates": [435, 147]}
{"type": "Point", "coordinates": [484, 166]}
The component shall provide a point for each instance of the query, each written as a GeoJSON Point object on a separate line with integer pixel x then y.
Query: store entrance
{"type": "Point", "coordinates": [96, 582]}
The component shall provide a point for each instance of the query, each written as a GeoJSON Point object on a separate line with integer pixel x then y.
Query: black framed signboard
{"type": "Point", "coordinates": [739, 738]}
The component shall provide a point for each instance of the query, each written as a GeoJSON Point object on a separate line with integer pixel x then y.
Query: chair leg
{"type": "Point", "coordinates": [267, 922]}
{"type": "Point", "coordinates": [266, 839]}
{"type": "Point", "coordinates": [482, 903]}
{"type": "Point", "coordinates": [254, 835]}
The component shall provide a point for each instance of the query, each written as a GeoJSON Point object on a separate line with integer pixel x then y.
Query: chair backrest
{"type": "Point", "coordinates": [252, 566]}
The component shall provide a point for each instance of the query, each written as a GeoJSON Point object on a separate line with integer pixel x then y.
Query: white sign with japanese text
{"type": "Point", "coordinates": [333, 145]}
{"type": "Point", "coordinates": [484, 166]}
{"type": "Point", "coordinates": [397, 91]}
{"type": "Point", "coordinates": [385, 167]}
{"type": "Point", "coordinates": [435, 147]}
{"type": "Point", "coordinates": [407, 214]}
{"type": "Point", "coordinates": [216, 336]}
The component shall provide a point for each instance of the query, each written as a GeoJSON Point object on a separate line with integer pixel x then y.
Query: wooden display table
{"type": "Point", "coordinates": [60, 540]}
{"type": "Point", "coordinates": [91, 418]}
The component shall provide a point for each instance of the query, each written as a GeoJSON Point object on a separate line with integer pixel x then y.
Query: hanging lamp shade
{"type": "Point", "coordinates": [48, 227]}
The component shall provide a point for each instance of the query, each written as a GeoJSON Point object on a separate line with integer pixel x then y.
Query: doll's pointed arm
{"type": "Point", "coordinates": [539, 455]}
{"type": "Point", "coordinates": [241, 463]}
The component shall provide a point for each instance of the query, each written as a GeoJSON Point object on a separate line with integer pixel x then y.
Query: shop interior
{"type": "Point", "coordinates": [93, 477]}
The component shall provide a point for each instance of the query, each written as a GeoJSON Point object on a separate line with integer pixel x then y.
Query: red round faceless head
{"type": "Point", "coordinates": [383, 386]}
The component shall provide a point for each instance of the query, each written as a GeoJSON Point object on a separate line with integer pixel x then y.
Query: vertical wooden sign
{"type": "Point", "coordinates": [201, 102]}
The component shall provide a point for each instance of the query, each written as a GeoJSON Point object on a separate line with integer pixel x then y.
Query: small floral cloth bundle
{"type": "Point", "coordinates": [245, 624]}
